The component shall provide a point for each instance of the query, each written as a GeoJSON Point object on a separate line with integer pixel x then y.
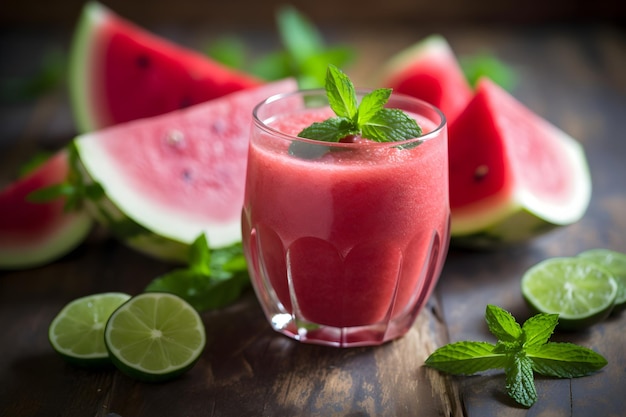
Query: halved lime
{"type": "Point", "coordinates": [77, 331]}
{"type": "Point", "coordinates": [580, 291]}
{"type": "Point", "coordinates": [155, 336]}
{"type": "Point", "coordinates": [615, 262]}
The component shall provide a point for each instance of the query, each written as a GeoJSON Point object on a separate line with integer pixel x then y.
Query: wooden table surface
{"type": "Point", "coordinates": [575, 76]}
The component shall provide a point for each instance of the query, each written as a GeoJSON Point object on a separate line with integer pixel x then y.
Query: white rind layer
{"type": "Point", "coordinates": [161, 220]}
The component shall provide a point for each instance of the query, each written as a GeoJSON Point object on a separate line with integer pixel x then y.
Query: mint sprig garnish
{"type": "Point", "coordinates": [520, 351]}
{"type": "Point", "coordinates": [370, 119]}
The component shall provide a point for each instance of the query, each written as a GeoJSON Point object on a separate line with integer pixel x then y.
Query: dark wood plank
{"type": "Point", "coordinates": [245, 368]}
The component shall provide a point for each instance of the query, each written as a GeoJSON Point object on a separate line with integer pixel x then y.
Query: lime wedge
{"type": "Point", "coordinates": [155, 336]}
{"type": "Point", "coordinates": [615, 262]}
{"type": "Point", "coordinates": [579, 290]}
{"type": "Point", "coordinates": [77, 331]}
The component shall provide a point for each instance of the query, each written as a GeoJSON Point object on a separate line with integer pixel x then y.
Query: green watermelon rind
{"type": "Point", "coordinates": [521, 216]}
{"type": "Point", "coordinates": [521, 225]}
{"type": "Point", "coordinates": [79, 78]}
{"type": "Point", "coordinates": [70, 231]}
{"type": "Point", "coordinates": [58, 244]}
{"type": "Point", "coordinates": [403, 61]}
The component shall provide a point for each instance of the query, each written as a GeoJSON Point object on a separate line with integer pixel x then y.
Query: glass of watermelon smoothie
{"type": "Point", "coordinates": [344, 241]}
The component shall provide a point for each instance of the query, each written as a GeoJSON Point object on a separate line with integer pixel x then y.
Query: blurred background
{"type": "Point", "coordinates": [35, 37]}
{"type": "Point", "coordinates": [331, 12]}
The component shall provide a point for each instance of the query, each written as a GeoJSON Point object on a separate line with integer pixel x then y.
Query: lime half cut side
{"type": "Point", "coordinates": [580, 291]}
{"type": "Point", "coordinates": [155, 336]}
{"type": "Point", "coordinates": [614, 262]}
{"type": "Point", "coordinates": [77, 331]}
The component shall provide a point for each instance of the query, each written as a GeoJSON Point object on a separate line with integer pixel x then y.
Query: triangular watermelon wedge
{"type": "Point", "coordinates": [513, 175]}
{"type": "Point", "coordinates": [169, 178]}
{"type": "Point", "coordinates": [430, 71]}
{"type": "Point", "coordinates": [121, 72]}
{"type": "Point", "coordinates": [33, 234]}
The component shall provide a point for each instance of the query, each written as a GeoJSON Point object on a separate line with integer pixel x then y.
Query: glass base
{"type": "Point", "coordinates": [367, 335]}
{"type": "Point", "coordinates": [330, 312]}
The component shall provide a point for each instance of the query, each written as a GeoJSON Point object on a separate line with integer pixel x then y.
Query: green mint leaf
{"type": "Point", "coordinates": [35, 162]}
{"type": "Point", "coordinates": [222, 293]}
{"type": "Point", "coordinates": [272, 66]}
{"type": "Point", "coordinates": [299, 36]}
{"type": "Point", "coordinates": [185, 283]}
{"type": "Point", "coordinates": [214, 278]}
{"type": "Point", "coordinates": [520, 384]}
{"type": "Point", "coordinates": [487, 65]}
{"type": "Point", "coordinates": [200, 290]}
{"type": "Point", "coordinates": [306, 150]}
{"type": "Point", "coordinates": [507, 347]}
{"type": "Point", "coordinates": [307, 57]}
{"type": "Point", "coordinates": [466, 358]}
{"type": "Point", "coordinates": [228, 50]}
{"type": "Point", "coordinates": [368, 119]}
{"type": "Point", "coordinates": [371, 104]}
{"type": "Point", "coordinates": [313, 69]}
{"type": "Point", "coordinates": [390, 125]}
{"type": "Point", "coordinates": [94, 191]}
{"type": "Point", "coordinates": [227, 261]}
{"type": "Point", "coordinates": [200, 255]}
{"type": "Point", "coordinates": [565, 360]}
{"type": "Point", "coordinates": [538, 329]}
{"type": "Point", "coordinates": [330, 130]}
{"type": "Point", "coordinates": [502, 324]}
{"type": "Point", "coordinates": [50, 193]}
{"type": "Point", "coordinates": [341, 93]}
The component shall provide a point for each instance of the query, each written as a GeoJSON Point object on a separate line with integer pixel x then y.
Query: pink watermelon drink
{"type": "Point", "coordinates": [345, 241]}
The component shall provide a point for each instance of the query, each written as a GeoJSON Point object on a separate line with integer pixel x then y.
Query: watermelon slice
{"type": "Point", "coordinates": [120, 72]}
{"type": "Point", "coordinates": [169, 178]}
{"type": "Point", "coordinates": [513, 175]}
{"type": "Point", "coordinates": [33, 234]}
{"type": "Point", "coordinates": [430, 71]}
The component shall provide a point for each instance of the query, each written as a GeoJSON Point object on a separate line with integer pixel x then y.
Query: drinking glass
{"type": "Point", "coordinates": [344, 241]}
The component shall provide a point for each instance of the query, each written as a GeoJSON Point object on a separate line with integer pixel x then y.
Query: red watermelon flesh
{"type": "Point", "coordinates": [429, 70]}
{"type": "Point", "coordinates": [181, 173]}
{"type": "Point", "coordinates": [121, 72]}
{"type": "Point", "coordinates": [501, 153]}
{"type": "Point", "coordinates": [35, 233]}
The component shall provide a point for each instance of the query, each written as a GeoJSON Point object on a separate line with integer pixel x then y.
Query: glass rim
{"type": "Point", "coordinates": [435, 132]}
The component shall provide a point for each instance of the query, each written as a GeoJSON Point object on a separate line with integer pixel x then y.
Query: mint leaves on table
{"type": "Point", "coordinates": [369, 119]}
{"type": "Point", "coordinates": [213, 279]}
{"type": "Point", "coordinates": [520, 351]}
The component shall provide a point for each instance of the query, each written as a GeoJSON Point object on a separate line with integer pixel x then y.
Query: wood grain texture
{"type": "Point", "coordinates": [246, 370]}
